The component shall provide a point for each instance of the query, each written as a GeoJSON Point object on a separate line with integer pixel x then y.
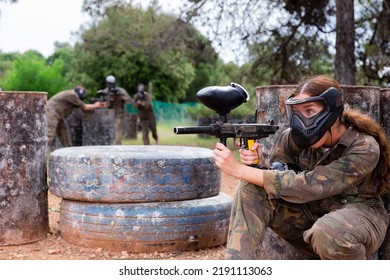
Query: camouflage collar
{"type": "Point", "coordinates": [342, 145]}
{"type": "Point", "coordinates": [349, 137]}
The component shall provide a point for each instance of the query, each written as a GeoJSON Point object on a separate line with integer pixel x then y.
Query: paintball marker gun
{"type": "Point", "coordinates": [103, 97]}
{"type": "Point", "coordinates": [113, 89]}
{"type": "Point", "coordinates": [222, 99]}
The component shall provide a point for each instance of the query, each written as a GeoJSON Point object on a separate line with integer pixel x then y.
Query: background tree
{"type": "Point", "coordinates": [373, 36]}
{"type": "Point", "coordinates": [345, 67]}
{"type": "Point", "coordinates": [283, 40]}
{"type": "Point", "coordinates": [283, 37]}
{"type": "Point", "coordinates": [29, 72]}
{"type": "Point", "coordinates": [63, 51]}
{"type": "Point", "coordinates": [139, 45]}
{"type": "Point", "coordinates": [296, 31]}
{"type": "Point", "coordinates": [6, 62]}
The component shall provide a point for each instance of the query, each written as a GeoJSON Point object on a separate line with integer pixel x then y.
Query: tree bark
{"type": "Point", "coordinates": [345, 40]}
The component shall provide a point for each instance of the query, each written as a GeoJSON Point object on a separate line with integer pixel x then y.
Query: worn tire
{"type": "Point", "coordinates": [147, 227]}
{"type": "Point", "coordinates": [123, 174]}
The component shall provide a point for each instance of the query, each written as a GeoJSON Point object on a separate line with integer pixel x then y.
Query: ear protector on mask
{"type": "Point", "coordinates": [306, 131]}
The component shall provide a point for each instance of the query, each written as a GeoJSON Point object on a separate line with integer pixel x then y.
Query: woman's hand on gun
{"type": "Point", "coordinates": [252, 156]}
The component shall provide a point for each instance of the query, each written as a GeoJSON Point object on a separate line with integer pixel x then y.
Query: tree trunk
{"type": "Point", "coordinates": [345, 39]}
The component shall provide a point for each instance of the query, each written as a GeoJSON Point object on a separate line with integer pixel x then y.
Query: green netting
{"type": "Point", "coordinates": [165, 111]}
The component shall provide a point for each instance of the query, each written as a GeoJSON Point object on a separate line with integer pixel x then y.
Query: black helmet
{"type": "Point", "coordinates": [81, 92]}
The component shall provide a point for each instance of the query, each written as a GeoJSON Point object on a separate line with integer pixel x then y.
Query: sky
{"type": "Point", "coordinates": [37, 24]}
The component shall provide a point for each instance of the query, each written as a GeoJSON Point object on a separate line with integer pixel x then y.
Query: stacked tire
{"type": "Point", "coordinates": [140, 199]}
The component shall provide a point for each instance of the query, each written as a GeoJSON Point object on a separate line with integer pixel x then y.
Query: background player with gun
{"type": "Point", "coordinates": [143, 102]}
{"type": "Point", "coordinates": [116, 97]}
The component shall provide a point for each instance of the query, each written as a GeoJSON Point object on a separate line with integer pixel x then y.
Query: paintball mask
{"type": "Point", "coordinates": [140, 92]}
{"type": "Point", "coordinates": [111, 84]}
{"type": "Point", "coordinates": [310, 118]}
{"type": "Point", "coordinates": [81, 92]}
{"type": "Point", "coordinates": [141, 89]}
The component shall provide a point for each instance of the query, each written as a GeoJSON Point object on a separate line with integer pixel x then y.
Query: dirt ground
{"type": "Point", "coordinates": [55, 248]}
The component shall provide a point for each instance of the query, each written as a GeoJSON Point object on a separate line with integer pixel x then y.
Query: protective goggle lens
{"type": "Point", "coordinates": [309, 111]}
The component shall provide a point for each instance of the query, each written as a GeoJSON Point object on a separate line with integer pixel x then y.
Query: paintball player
{"type": "Point", "coordinates": [143, 102]}
{"type": "Point", "coordinates": [332, 208]}
{"type": "Point", "coordinates": [116, 97]}
{"type": "Point", "coordinates": [59, 107]}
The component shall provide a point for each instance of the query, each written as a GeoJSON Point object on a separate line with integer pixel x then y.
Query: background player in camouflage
{"type": "Point", "coordinates": [116, 97]}
{"type": "Point", "coordinates": [143, 102]}
{"type": "Point", "coordinates": [332, 209]}
{"type": "Point", "coordinates": [59, 107]}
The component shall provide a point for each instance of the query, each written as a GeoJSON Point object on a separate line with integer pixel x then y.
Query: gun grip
{"type": "Point", "coordinates": [250, 143]}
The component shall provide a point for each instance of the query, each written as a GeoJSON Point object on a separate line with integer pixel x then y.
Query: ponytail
{"type": "Point", "coordinates": [367, 125]}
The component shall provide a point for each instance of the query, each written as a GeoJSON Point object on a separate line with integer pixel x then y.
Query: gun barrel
{"type": "Point", "coordinates": [193, 130]}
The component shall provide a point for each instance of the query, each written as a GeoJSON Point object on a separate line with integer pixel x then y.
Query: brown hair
{"type": "Point", "coordinates": [315, 86]}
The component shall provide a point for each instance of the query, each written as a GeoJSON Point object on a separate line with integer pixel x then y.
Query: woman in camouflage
{"type": "Point", "coordinates": [332, 207]}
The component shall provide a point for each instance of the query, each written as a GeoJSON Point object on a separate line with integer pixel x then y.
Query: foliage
{"type": "Point", "coordinates": [282, 36]}
{"type": "Point", "coordinates": [64, 52]}
{"type": "Point", "coordinates": [285, 39]}
{"type": "Point", "coordinates": [373, 39]}
{"type": "Point", "coordinates": [289, 38]}
{"type": "Point", "coordinates": [30, 72]}
{"type": "Point", "coordinates": [6, 61]}
{"type": "Point", "coordinates": [137, 45]}
{"type": "Point", "coordinates": [303, 56]}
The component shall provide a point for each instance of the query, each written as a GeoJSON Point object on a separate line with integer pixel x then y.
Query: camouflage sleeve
{"type": "Point", "coordinates": [148, 101]}
{"type": "Point", "coordinates": [75, 100]}
{"type": "Point", "coordinates": [125, 96]}
{"type": "Point", "coordinates": [134, 102]}
{"type": "Point", "coordinates": [284, 150]}
{"type": "Point", "coordinates": [342, 174]}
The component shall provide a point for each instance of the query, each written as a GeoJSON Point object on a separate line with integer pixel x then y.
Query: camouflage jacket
{"type": "Point", "coordinates": [145, 111]}
{"type": "Point", "coordinates": [329, 178]}
{"type": "Point", "coordinates": [117, 100]}
{"type": "Point", "coordinates": [62, 104]}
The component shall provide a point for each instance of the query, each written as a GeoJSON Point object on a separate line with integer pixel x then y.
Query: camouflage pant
{"type": "Point", "coordinates": [353, 232]}
{"type": "Point", "coordinates": [147, 125]}
{"type": "Point", "coordinates": [58, 127]}
{"type": "Point", "coordinates": [118, 130]}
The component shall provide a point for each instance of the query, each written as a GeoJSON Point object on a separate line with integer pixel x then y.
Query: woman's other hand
{"type": "Point", "coordinates": [226, 162]}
